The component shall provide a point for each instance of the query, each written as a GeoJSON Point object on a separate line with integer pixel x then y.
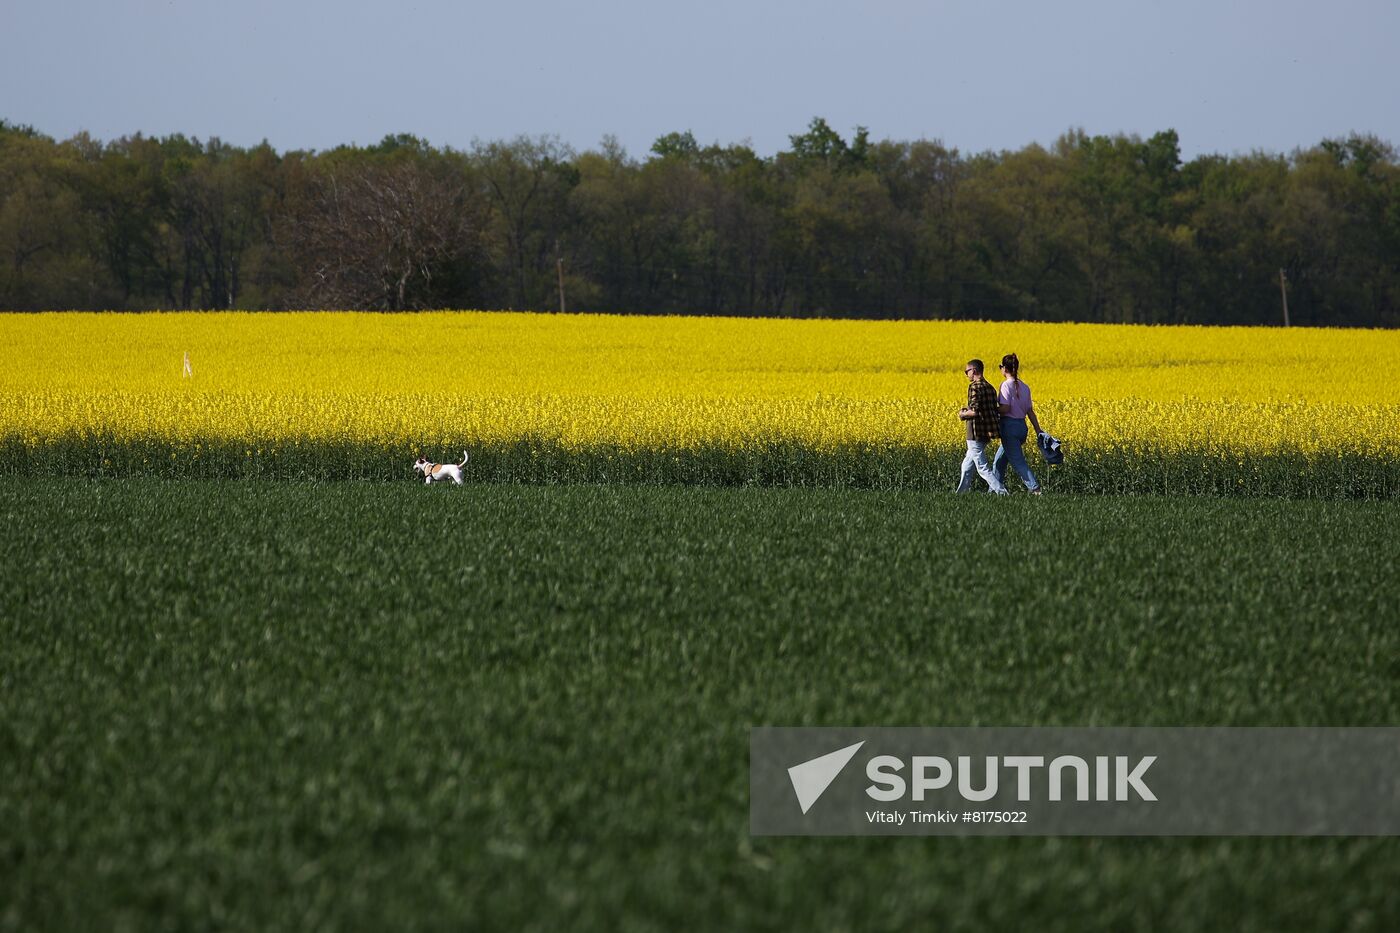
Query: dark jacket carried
{"type": "Point", "coordinates": [1050, 448]}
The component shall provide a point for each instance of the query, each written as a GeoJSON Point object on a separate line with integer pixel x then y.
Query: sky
{"type": "Point", "coordinates": [1229, 77]}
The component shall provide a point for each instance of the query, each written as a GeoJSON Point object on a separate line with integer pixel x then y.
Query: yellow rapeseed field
{"type": "Point", "coordinates": [451, 378]}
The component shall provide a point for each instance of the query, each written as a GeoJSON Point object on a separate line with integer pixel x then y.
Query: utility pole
{"type": "Point", "coordinates": [560, 264]}
{"type": "Point", "coordinates": [1283, 289]}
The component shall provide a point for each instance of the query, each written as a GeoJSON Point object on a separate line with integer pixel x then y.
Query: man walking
{"type": "Point", "coordinates": [983, 419]}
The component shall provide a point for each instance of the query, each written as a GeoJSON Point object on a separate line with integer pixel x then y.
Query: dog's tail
{"type": "Point", "coordinates": [465, 458]}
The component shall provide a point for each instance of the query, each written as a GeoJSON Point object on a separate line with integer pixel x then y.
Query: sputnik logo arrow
{"type": "Point", "coordinates": [811, 778]}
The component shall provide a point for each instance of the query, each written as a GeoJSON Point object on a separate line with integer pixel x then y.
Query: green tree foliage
{"type": "Point", "coordinates": [1092, 228]}
{"type": "Point", "coordinates": [526, 182]}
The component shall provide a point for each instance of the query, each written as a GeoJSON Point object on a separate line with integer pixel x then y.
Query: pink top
{"type": "Point", "coordinates": [1016, 394]}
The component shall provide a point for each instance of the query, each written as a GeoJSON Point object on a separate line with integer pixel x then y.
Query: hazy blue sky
{"type": "Point", "coordinates": [977, 74]}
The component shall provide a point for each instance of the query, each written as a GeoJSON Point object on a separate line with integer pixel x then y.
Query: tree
{"type": "Point", "coordinates": [823, 145]}
{"type": "Point", "coordinates": [375, 234]}
{"type": "Point", "coordinates": [526, 182]}
{"type": "Point", "coordinates": [46, 258]}
{"type": "Point", "coordinates": [1022, 231]}
{"type": "Point", "coordinates": [676, 146]}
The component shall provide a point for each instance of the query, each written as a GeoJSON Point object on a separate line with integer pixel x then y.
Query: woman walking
{"type": "Point", "coordinates": [1014, 399]}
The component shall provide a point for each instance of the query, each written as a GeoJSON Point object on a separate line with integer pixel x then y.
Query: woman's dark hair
{"type": "Point", "coordinates": [1012, 365]}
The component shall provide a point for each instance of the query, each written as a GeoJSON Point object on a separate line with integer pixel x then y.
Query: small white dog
{"type": "Point", "coordinates": [440, 471]}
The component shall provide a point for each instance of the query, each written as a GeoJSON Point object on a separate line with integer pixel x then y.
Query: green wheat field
{"type": "Point", "coordinates": [254, 704]}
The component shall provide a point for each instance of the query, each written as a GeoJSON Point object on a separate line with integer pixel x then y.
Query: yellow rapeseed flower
{"type": "Point", "coordinates": [680, 383]}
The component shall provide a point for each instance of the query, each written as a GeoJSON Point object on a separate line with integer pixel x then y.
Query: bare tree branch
{"type": "Point", "coordinates": [377, 234]}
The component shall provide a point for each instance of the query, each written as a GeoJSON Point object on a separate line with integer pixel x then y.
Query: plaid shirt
{"type": "Point", "coordinates": [985, 423]}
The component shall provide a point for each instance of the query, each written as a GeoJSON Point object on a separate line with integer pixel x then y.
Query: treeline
{"type": "Point", "coordinates": [1094, 228]}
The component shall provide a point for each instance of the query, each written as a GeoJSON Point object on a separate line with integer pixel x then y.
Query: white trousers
{"type": "Point", "coordinates": [976, 461]}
